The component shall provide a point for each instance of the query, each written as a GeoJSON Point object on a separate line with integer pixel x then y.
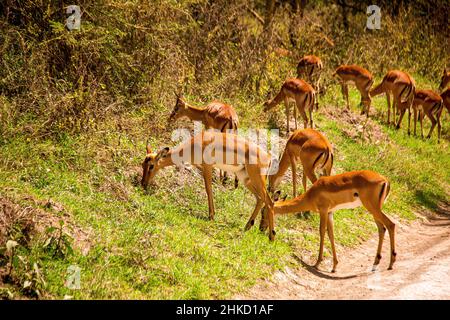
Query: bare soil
{"type": "Point", "coordinates": [422, 269]}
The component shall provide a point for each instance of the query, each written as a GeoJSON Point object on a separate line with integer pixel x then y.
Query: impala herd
{"type": "Point", "coordinates": [224, 150]}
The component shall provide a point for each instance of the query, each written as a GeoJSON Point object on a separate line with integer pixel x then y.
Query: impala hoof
{"type": "Point", "coordinates": [272, 235]}
{"type": "Point", "coordinates": [249, 225]}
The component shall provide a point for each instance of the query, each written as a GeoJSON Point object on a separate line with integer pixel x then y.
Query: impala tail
{"type": "Point", "coordinates": [437, 108]}
{"type": "Point", "coordinates": [384, 193]}
{"type": "Point", "coordinates": [410, 90]}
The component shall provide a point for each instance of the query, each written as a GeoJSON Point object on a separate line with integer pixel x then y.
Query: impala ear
{"type": "Point", "coordinates": [148, 149]}
{"type": "Point", "coordinates": [445, 71]}
{"type": "Point", "coordinates": [162, 153]}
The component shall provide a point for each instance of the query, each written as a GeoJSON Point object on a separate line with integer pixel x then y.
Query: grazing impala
{"type": "Point", "coordinates": [363, 81]}
{"type": "Point", "coordinates": [401, 85]}
{"type": "Point", "coordinates": [225, 151]}
{"type": "Point", "coordinates": [445, 80]}
{"type": "Point", "coordinates": [215, 115]}
{"type": "Point", "coordinates": [309, 68]}
{"type": "Point", "coordinates": [302, 93]}
{"type": "Point", "coordinates": [343, 191]}
{"type": "Point", "coordinates": [428, 103]}
{"type": "Point", "coordinates": [312, 149]}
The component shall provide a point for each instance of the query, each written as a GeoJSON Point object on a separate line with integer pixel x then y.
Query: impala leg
{"type": "Point", "coordinates": [257, 183]}
{"type": "Point", "coordinates": [294, 175]}
{"type": "Point", "coordinates": [331, 237]}
{"type": "Point", "coordinates": [305, 118]}
{"type": "Point", "coordinates": [311, 117]}
{"type": "Point", "coordinates": [438, 118]}
{"type": "Point", "coordinates": [318, 92]}
{"type": "Point", "coordinates": [433, 124]}
{"type": "Point", "coordinates": [308, 159]}
{"type": "Point", "coordinates": [328, 166]}
{"type": "Point", "coordinates": [344, 89]}
{"type": "Point", "coordinates": [394, 110]}
{"type": "Point", "coordinates": [381, 232]}
{"type": "Point", "coordinates": [388, 98]}
{"type": "Point", "coordinates": [259, 204]}
{"type": "Point", "coordinates": [375, 209]}
{"type": "Point", "coordinates": [400, 118]}
{"type": "Point", "coordinates": [286, 105]}
{"type": "Point", "coordinates": [323, 227]}
{"type": "Point", "coordinates": [409, 120]}
{"type": "Point", "coordinates": [260, 187]}
{"type": "Point", "coordinates": [391, 229]}
{"type": "Point", "coordinates": [251, 221]}
{"type": "Point", "coordinates": [415, 119]}
{"type": "Point", "coordinates": [421, 115]}
{"type": "Point", "coordinates": [295, 118]}
{"type": "Point", "coordinates": [304, 182]}
{"type": "Point", "coordinates": [207, 177]}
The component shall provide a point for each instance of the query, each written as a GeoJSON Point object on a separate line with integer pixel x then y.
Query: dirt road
{"type": "Point", "coordinates": [422, 270]}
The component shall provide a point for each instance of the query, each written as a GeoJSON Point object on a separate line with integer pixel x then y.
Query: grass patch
{"type": "Point", "coordinates": [160, 245]}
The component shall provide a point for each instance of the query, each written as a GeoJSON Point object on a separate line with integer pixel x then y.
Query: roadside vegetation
{"type": "Point", "coordinates": [76, 109]}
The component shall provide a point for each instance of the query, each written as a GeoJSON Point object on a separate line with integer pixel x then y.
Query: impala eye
{"type": "Point", "coordinates": [151, 166]}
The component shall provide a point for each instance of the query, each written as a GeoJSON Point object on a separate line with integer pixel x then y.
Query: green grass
{"type": "Point", "coordinates": [160, 244]}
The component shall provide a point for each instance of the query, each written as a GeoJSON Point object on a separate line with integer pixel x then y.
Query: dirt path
{"type": "Point", "coordinates": [422, 270]}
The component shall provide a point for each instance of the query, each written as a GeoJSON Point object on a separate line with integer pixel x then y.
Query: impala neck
{"type": "Point", "coordinates": [299, 204]}
{"type": "Point", "coordinates": [282, 168]}
{"type": "Point", "coordinates": [195, 113]}
{"type": "Point", "coordinates": [379, 89]}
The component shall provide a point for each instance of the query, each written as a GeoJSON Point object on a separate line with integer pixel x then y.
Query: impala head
{"type": "Point", "coordinates": [264, 218]}
{"type": "Point", "coordinates": [151, 165]}
{"type": "Point", "coordinates": [444, 80]}
{"type": "Point", "coordinates": [179, 109]}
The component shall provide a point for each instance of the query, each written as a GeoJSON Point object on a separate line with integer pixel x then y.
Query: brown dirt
{"type": "Point", "coordinates": [422, 270]}
{"type": "Point", "coordinates": [37, 220]}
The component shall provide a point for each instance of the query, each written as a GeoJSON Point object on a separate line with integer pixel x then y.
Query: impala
{"type": "Point", "coordinates": [215, 115]}
{"type": "Point", "coordinates": [309, 68]}
{"type": "Point", "coordinates": [312, 149]}
{"type": "Point", "coordinates": [343, 191]}
{"type": "Point", "coordinates": [363, 81]}
{"type": "Point", "coordinates": [428, 103]}
{"type": "Point", "coordinates": [401, 85]}
{"type": "Point", "coordinates": [224, 151]}
{"type": "Point", "coordinates": [302, 93]}
{"type": "Point", "coordinates": [445, 80]}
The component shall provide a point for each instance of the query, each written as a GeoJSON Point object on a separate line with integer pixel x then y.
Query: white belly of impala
{"type": "Point", "coordinates": [348, 205]}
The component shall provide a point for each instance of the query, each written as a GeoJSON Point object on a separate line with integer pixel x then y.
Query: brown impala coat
{"type": "Point", "coordinates": [428, 103]}
{"type": "Point", "coordinates": [216, 115]}
{"type": "Point", "coordinates": [346, 190]}
{"type": "Point", "coordinates": [308, 65]}
{"type": "Point", "coordinates": [362, 79]}
{"type": "Point", "coordinates": [402, 86]}
{"type": "Point", "coordinates": [225, 151]}
{"type": "Point", "coordinates": [302, 93]}
{"type": "Point", "coordinates": [312, 149]}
